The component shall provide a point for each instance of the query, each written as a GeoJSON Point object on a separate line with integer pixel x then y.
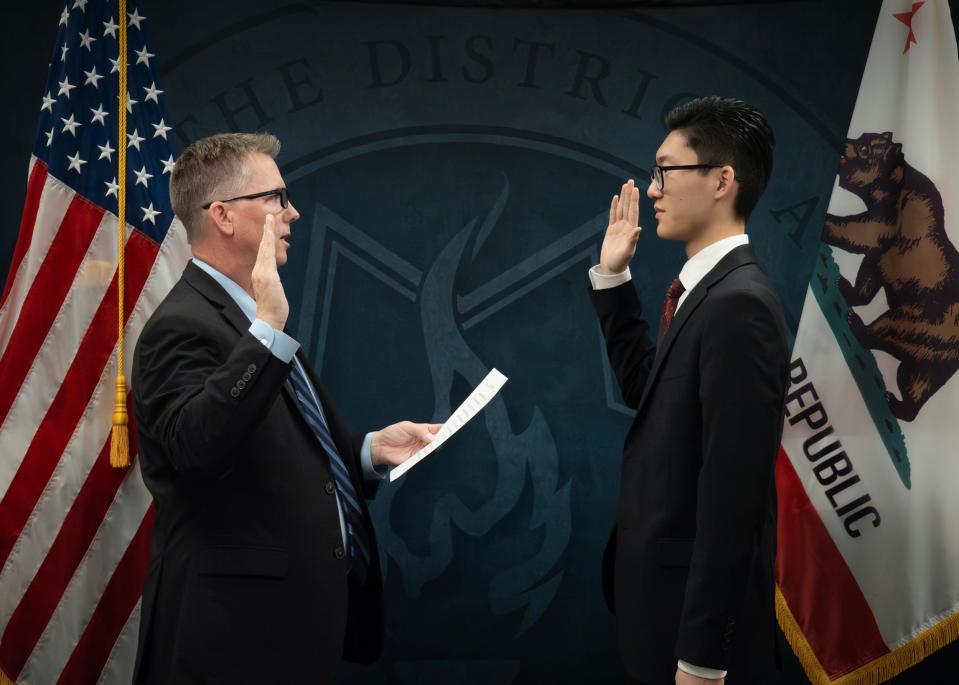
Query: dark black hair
{"type": "Point", "coordinates": [728, 131]}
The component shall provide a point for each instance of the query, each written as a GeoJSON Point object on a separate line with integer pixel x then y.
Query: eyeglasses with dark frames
{"type": "Point", "coordinates": [281, 192]}
{"type": "Point", "coordinates": [656, 171]}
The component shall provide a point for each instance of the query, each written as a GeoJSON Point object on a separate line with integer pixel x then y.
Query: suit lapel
{"type": "Point", "coordinates": [205, 284]}
{"type": "Point", "coordinates": [737, 257]}
{"type": "Point", "coordinates": [690, 304]}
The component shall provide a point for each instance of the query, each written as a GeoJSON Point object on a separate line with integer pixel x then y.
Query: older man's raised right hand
{"type": "Point", "coordinates": [271, 304]}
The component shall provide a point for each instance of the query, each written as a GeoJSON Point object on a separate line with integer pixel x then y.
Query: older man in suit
{"type": "Point", "coordinates": [692, 552]}
{"type": "Point", "coordinates": [263, 562]}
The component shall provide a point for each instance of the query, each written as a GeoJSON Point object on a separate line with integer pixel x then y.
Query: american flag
{"type": "Point", "coordinates": [74, 531]}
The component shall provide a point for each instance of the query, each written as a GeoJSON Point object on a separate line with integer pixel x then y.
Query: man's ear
{"type": "Point", "coordinates": [725, 183]}
{"type": "Point", "coordinates": [221, 218]}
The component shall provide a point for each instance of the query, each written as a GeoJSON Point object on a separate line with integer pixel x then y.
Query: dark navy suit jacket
{"type": "Point", "coordinates": [247, 580]}
{"type": "Point", "coordinates": [690, 565]}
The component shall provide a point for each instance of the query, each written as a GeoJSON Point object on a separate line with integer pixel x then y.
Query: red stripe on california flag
{"type": "Point", "coordinates": [81, 524]}
{"type": "Point", "coordinates": [46, 296]}
{"type": "Point", "coordinates": [117, 602]}
{"type": "Point", "coordinates": [73, 396]}
{"type": "Point", "coordinates": [812, 574]}
{"type": "Point", "coordinates": [35, 184]}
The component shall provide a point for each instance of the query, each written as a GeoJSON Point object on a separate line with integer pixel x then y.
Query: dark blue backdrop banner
{"type": "Point", "coordinates": [454, 167]}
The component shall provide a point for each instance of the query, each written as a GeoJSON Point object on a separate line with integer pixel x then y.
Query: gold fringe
{"type": "Point", "coordinates": [120, 438]}
{"type": "Point", "coordinates": [877, 671]}
{"type": "Point", "coordinates": [5, 679]}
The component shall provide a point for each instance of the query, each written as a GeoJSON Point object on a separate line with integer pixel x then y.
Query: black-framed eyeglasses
{"type": "Point", "coordinates": [283, 194]}
{"type": "Point", "coordinates": [656, 171]}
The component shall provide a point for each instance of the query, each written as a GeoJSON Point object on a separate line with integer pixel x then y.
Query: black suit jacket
{"type": "Point", "coordinates": [247, 580]}
{"type": "Point", "coordinates": [692, 565]}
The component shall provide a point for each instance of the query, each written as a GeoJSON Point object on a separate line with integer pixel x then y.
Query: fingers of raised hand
{"type": "Point", "coordinates": [265, 266]}
{"type": "Point", "coordinates": [268, 241]}
{"type": "Point", "coordinates": [622, 207]}
{"type": "Point", "coordinates": [634, 206]}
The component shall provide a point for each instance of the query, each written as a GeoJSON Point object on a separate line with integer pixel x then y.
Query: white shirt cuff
{"type": "Point", "coordinates": [279, 343]}
{"type": "Point", "coordinates": [701, 672]}
{"type": "Point", "coordinates": [604, 281]}
{"type": "Point", "coordinates": [371, 472]}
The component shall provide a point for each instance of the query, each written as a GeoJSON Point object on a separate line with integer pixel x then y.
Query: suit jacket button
{"type": "Point", "coordinates": [235, 392]}
{"type": "Point", "coordinates": [241, 384]}
{"type": "Point", "coordinates": [329, 487]}
{"type": "Point", "coordinates": [251, 368]}
{"type": "Point", "coordinates": [246, 376]}
{"type": "Point", "coordinates": [339, 552]}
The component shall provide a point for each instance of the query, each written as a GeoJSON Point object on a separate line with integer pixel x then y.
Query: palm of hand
{"type": "Point", "coordinates": [271, 303]}
{"type": "Point", "coordinates": [619, 243]}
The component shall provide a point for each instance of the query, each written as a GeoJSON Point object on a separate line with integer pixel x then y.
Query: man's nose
{"type": "Point", "coordinates": [654, 191]}
{"type": "Point", "coordinates": [291, 210]}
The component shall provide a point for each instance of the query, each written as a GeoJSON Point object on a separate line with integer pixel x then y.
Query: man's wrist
{"type": "Point", "coordinates": [279, 343]}
{"type": "Point", "coordinates": [371, 470]}
{"type": "Point", "coordinates": [368, 443]}
{"type": "Point", "coordinates": [602, 281]}
{"type": "Point", "coordinates": [275, 324]}
{"type": "Point", "coordinates": [701, 671]}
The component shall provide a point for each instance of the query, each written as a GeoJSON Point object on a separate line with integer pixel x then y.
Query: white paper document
{"type": "Point", "coordinates": [471, 406]}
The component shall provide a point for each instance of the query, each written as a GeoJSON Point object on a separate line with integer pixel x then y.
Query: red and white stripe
{"type": "Point", "coordinates": [73, 531]}
{"type": "Point", "coordinates": [822, 593]}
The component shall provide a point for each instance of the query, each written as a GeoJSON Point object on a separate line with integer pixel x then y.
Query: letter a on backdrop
{"type": "Point", "coordinates": [868, 561]}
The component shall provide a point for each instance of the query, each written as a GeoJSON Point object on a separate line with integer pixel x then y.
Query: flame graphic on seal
{"type": "Point", "coordinates": [529, 455]}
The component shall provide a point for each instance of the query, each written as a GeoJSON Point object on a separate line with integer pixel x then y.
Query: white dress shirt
{"type": "Point", "coordinates": [693, 271]}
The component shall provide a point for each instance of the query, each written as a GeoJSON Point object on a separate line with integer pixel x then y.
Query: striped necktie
{"type": "Point", "coordinates": [357, 542]}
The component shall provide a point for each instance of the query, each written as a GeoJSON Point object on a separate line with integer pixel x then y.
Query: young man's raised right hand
{"type": "Point", "coordinates": [619, 244]}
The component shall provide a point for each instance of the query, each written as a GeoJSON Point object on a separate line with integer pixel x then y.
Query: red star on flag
{"type": "Point", "coordinates": [906, 18]}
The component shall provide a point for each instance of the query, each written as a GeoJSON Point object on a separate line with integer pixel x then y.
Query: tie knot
{"type": "Point", "coordinates": [676, 288]}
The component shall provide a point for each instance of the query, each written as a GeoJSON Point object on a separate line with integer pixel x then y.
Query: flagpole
{"type": "Point", "coordinates": [120, 440]}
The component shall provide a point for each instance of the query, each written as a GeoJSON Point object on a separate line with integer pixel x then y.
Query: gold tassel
{"type": "Point", "coordinates": [120, 438]}
{"type": "Point", "coordinates": [5, 679]}
{"type": "Point", "coordinates": [877, 671]}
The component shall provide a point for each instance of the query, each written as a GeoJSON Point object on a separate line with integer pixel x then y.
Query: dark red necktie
{"type": "Point", "coordinates": [676, 289]}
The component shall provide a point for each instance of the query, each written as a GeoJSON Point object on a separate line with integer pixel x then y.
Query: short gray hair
{"type": "Point", "coordinates": [213, 168]}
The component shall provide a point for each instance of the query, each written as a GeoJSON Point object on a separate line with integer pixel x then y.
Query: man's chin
{"type": "Point", "coordinates": [665, 231]}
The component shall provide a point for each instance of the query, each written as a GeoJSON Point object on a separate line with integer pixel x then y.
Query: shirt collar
{"type": "Point", "coordinates": [700, 264]}
{"type": "Point", "coordinates": [242, 298]}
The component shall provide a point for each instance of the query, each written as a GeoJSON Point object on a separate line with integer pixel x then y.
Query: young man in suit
{"type": "Point", "coordinates": [692, 552]}
{"type": "Point", "coordinates": [263, 562]}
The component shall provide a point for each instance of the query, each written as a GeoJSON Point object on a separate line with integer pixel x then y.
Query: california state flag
{"type": "Point", "coordinates": [868, 559]}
